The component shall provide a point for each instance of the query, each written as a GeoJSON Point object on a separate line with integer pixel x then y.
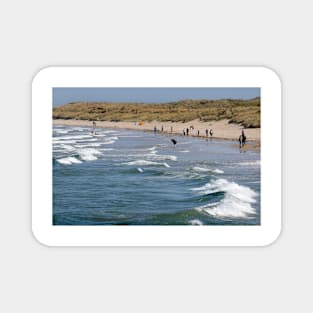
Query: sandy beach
{"type": "Point", "coordinates": [221, 129]}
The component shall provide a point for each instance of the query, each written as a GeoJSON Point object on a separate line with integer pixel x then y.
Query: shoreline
{"type": "Point", "coordinates": [221, 129]}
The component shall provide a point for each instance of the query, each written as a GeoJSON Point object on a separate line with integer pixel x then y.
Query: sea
{"type": "Point", "coordinates": [130, 177]}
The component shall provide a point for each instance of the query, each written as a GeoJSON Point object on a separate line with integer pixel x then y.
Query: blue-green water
{"type": "Point", "coordinates": [124, 177]}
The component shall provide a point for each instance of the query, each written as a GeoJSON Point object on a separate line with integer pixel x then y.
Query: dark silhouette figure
{"type": "Point", "coordinates": [207, 132]}
{"type": "Point", "coordinates": [171, 129]}
{"type": "Point", "coordinates": [211, 132]}
{"type": "Point", "coordinates": [155, 129]}
{"type": "Point", "coordinates": [187, 131]}
{"type": "Point", "coordinates": [184, 132]}
{"type": "Point", "coordinates": [242, 139]}
{"type": "Point", "coordinates": [174, 142]}
{"type": "Point", "coordinates": [198, 132]}
{"type": "Point", "coordinates": [162, 129]}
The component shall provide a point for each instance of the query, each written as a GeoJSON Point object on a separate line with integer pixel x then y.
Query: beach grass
{"type": "Point", "coordinates": [243, 112]}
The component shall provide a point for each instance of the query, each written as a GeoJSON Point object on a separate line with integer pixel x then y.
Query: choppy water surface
{"type": "Point", "coordinates": [123, 177]}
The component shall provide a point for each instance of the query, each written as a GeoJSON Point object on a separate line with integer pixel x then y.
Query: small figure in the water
{"type": "Point", "coordinates": [242, 139]}
{"type": "Point", "coordinates": [93, 132]}
{"type": "Point", "coordinates": [174, 142]}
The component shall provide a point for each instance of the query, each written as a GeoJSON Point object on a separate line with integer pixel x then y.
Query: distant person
{"type": "Point", "coordinates": [198, 132]}
{"type": "Point", "coordinates": [191, 127]}
{"type": "Point", "coordinates": [207, 132]}
{"type": "Point", "coordinates": [187, 131]}
{"type": "Point", "coordinates": [93, 132]}
{"type": "Point", "coordinates": [242, 139]}
{"type": "Point", "coordinates": [211, 132]}
{"type": "Point", "coordinates": [184, 133]}
{"type": "Point", "coordinates": [171, 129]}
{"type": "Point", "coordinates": [155, 129]}
{"type": "Point", "coordinates": [162, 129]}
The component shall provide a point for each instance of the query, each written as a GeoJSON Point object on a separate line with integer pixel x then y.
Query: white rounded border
{"type": "Point", "coordinates": [262, 235]}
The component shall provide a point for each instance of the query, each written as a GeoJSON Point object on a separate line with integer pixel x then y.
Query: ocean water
{"type": "Point", "coordinates": [125, 177]}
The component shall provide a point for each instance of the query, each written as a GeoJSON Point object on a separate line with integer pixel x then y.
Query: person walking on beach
{"type": "Point", "coordinates": [184, 132]}
{"type": "Point", "coordinates": [187, 131]}
{"type": "Point", "coordinates": [162, 129]}
{"type": "Point", "coordinates": [207, 132]}
{"type": "Point", "coordinates": [211, 132]}
{"type": "Point", "coordinates": [155, 129]}
{"type": "Point", "coordinates": [198, 132]}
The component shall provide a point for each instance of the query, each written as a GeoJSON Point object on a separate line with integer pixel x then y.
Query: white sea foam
{"type": "Point", "coordinates": [140, 170]}
{"type": "Point", "coordinates": [68, 161]}
{"type": "Point", "coordinates": [160, 157]}
{"type": "Point", "coordinates": [236, 202]}
{"type": "Point", "coordinates": [152, 148]}
{"type": "Point", "coordinates": [203, 169]}
{"type": "Point", "coordinates": [93, 144]}
{"type": "Point", "coordinates": [195, 222]}
{"type": "Point", "coordinates": [112, 138]}
{"type": "Point", "coordinates": [143, 162]}
{"type": "Point", "coordinates": [67, 147]}
{"type": "Point", "coordinates": [184, 151]}
{"type": "Point", "coordinates": [109, 142]}
{"type": "Point", "coordinates": [56, 141]}
{"type": "Point", "coordinates": [88, 154]}
{"type": "Point", "coordinates": [73, 137]}
{"type": "Point", "coordinates": [251, 163]}
{"type": "Point", "coordinates": [217, 171]}
{"type": "Point", "coordinates": [61, 131]}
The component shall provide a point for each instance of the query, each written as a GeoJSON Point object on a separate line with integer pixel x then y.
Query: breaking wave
{"type": "Point", "coordinates": [144, 162]}
{"type": "Point", "coordinates": [195, 222]}
{"type": "Point", "coordinates": [202, 169]}
{"type": "Point", "coordinates": [236, 202]}
{"type": "Point", "coordinates": [68, 161]}
{"type": "Point", "coordinates": [89, 154]}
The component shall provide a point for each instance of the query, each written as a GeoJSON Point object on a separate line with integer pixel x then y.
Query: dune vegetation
{"type": "Point", "coordinates": [244, 112]}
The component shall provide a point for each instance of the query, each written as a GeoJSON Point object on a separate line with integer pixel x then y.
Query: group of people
{"type": "Point", "coordinates": [191, 128]}
{"type": "Point", "coordinates": [187, 131]}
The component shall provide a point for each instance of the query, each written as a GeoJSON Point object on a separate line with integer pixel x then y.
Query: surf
{"type": "Point", "coordinates": [236, 203]}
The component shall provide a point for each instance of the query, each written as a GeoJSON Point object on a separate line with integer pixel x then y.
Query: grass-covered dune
{"type": "Point", "coordinates": [244, 112]}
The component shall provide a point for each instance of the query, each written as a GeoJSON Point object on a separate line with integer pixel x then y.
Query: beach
{"type": "Point", "coordinates": [221, 129]}
{"type": "Point", "coordinates": [120, 176]}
